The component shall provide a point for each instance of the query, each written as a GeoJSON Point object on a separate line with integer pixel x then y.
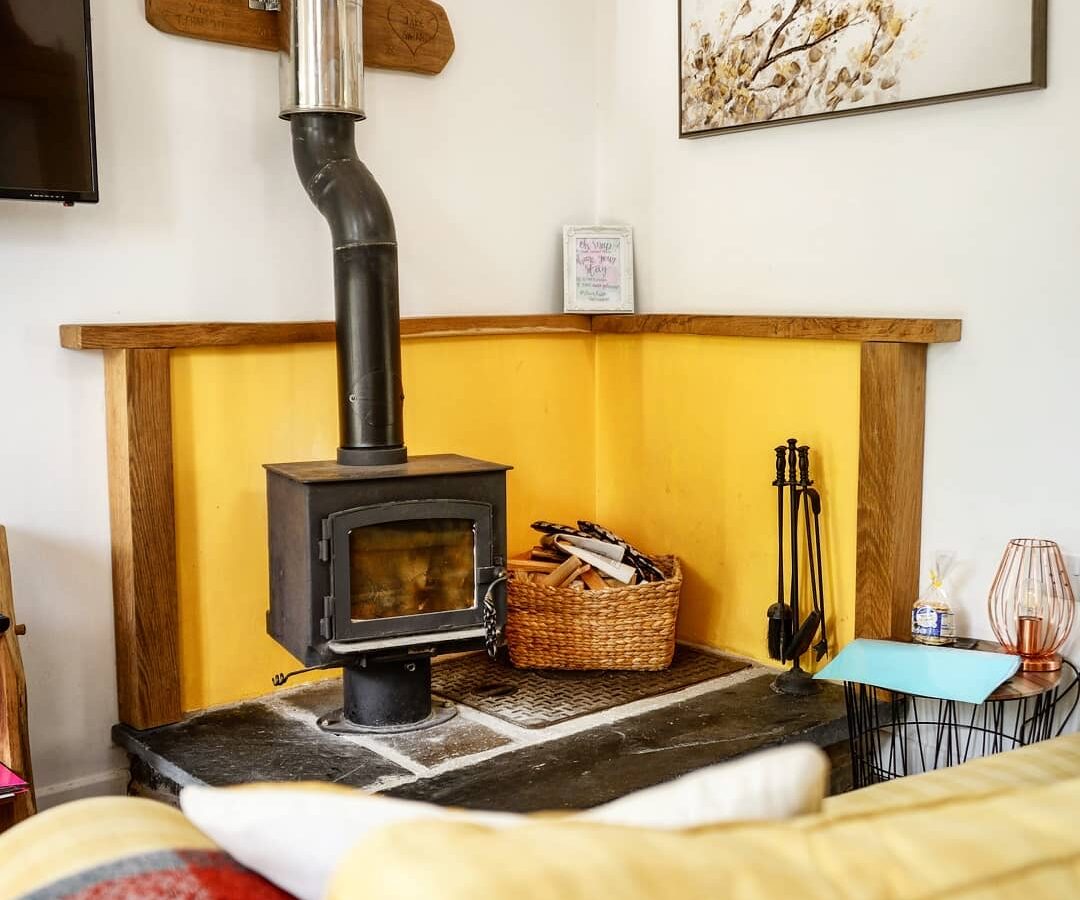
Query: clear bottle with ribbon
{"type": "Point", "coordinates": [932, 618]}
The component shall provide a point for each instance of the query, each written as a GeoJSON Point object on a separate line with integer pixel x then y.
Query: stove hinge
{"type": "Point", "coordinates": [324, 543]}
{"type": "Point", "coordinates": [326, 623]}
{"type": "Point", "coordinates": [326, 547]}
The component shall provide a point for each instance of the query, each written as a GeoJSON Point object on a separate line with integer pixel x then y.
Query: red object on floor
{"type": "Point", "coordinates": [177, 875]}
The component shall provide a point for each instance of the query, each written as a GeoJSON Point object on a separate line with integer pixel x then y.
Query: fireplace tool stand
{"type": "Point", "coordinates": [790, 634]}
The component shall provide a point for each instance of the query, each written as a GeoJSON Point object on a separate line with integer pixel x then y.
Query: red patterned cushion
{"type": "Point", "coordinates": [169, 875]}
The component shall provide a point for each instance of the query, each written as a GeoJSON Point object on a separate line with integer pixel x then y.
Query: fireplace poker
{"type": "Point", "coordinates": [779, 616]}
{"type": "Point", "coordinates": [793, 480]}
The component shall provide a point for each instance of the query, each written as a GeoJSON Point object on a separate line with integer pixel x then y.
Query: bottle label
{"type": "Point", "coordinates": [934, 624]}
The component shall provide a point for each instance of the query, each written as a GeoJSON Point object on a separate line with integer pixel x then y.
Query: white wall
{"type": "Point", "coordinates": [203, 218]}
{"type": "Point", "coordinates": [967, 210]}
{"type": "Point", "coordinates": [963, 210]}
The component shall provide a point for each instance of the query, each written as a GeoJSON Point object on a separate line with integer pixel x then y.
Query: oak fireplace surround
{"type": "Point", "coordinates": [139, 417]}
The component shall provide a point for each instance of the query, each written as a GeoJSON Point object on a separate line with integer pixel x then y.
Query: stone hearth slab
{"type": "Point", "coordinates": [537, 699]}
{"type": "Point", "coordinates": [479, 761]}
{"type": "Point", "coordinates": [253, 742]}
{"type": "Point", "coordinates": [602, 764]}
{"type": "Point", "coordinates": [429, 748]}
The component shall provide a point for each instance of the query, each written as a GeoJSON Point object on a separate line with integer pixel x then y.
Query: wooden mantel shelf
{"type": "Point", "coordinates": [233, 334]}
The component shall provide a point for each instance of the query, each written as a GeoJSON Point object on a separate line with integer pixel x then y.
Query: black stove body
{"type": "Point", "coordinates": [379, 568]}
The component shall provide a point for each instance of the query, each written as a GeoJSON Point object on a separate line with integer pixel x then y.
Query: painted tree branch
{"type": "Point", "coordinates": [816, 55]}
{"type": "Point", "coordinates": [776, 36]}
{"type": "Point", "coordinates": [807, 46]}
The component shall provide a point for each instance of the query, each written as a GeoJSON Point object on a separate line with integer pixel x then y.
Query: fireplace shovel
{"type": "Point", "coordinates": [821, 648]}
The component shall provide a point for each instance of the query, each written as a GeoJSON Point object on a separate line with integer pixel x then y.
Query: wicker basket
{"type": "Point", "coordinates": [617, 628]}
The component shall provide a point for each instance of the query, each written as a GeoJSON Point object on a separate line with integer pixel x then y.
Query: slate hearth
{"type": "Point", "coordinates": [481, 761]}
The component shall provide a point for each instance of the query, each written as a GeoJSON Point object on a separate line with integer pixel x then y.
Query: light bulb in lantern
{"type": "Point", "coordinates": [1031, 611]}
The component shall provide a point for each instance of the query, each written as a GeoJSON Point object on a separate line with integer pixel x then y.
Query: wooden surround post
{"type": "Point", "coordinates": [139, 414]}
{"type": "Point", "coordinates": [891, 430]}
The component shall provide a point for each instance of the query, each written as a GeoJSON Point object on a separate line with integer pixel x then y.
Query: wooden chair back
{"type": "Point", "coordinates": [14, 731]}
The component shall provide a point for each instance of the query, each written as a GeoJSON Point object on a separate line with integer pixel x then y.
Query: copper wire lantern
{"type": "Point", "coordinates": [1032, 603]}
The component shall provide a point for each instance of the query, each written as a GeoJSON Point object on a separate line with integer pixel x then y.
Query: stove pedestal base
{"type": "Point", "coordinates": [387, 697]}
{"type": "Point", "coordinates": [441, 711]}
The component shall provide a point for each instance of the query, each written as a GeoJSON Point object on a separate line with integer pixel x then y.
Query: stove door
{"type": "Point", "coordinates": [414, 567]}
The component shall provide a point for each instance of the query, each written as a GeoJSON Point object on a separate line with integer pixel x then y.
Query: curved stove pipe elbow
{"type": "Point", "coordinates": [371, 397]}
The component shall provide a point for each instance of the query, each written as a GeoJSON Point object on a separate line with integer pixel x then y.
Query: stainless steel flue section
{"type": "Point", "coordinates": [322, 59]}
{"type": "Point", "coordinates": [322, 77]}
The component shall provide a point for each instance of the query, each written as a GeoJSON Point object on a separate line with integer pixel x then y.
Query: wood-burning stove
{"type": "Point", "coordinates": [379, 568]}
{"type": "Point", "coordinates": [377, 561]}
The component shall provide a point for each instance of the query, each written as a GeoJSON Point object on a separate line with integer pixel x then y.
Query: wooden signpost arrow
{"type": "Point", "coordinates": [406, 35]}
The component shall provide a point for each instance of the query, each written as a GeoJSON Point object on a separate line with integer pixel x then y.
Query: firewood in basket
{"type": "Point", "coordinates": [574, 576]}
{"type": "Point", "coordinates": [593, 581]}
{"type": "Point", "coordinates": [563, 573]}
{"type": "Point", "coordinates": [532, 565]}
{"type": "Point", "coordinates": [544, 555]}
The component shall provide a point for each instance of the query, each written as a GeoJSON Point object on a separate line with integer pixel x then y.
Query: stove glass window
{"type": "Point", "coordinates": [411, 568]}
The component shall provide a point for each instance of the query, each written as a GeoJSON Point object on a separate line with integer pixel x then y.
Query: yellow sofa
{"type": "Point", "coordinates": [1002, 827]}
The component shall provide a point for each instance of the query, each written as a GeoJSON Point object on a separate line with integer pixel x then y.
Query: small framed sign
{"type": "Point", "coordinates": [599, 266]}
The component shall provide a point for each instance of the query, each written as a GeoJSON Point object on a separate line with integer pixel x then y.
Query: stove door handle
{"type": "Point", "coordinates": [493, 627]}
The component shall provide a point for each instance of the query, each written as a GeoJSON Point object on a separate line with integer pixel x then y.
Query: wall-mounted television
{"type": "Point", "coordinates": [48, 148]}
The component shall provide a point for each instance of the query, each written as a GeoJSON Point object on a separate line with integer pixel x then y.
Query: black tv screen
{"type": "Point", "coordinates": [47, 142]}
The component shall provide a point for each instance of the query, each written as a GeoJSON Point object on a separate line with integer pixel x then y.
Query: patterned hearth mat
{"type": "Point", "coordinates": [537, 699]}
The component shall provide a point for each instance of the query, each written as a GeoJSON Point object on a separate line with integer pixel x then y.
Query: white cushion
{"type": "Point", "coordinates": [295, 835]}
{"type": "Point", "coordinates": [773, 784]}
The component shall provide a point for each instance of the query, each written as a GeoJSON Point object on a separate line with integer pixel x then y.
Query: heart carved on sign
{"type": "Point", "coordinates": [414, 27]}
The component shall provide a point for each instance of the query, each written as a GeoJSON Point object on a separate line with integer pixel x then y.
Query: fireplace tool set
{"type": "Point", "coordinates": [792, 635]}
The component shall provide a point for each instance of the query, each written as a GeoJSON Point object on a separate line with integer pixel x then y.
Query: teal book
{"type": "Point", "coordinates": [942, 673]}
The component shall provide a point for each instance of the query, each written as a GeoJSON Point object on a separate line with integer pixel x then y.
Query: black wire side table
{"type": "Point", "coordinates": [894, 735]}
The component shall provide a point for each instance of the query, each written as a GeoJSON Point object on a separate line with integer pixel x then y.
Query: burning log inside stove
{"type": "Point", "coordinates": [411, 568]}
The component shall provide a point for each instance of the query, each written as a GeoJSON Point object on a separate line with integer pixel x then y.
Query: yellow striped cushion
{"type": "Point", "coordinates": [78, 837]}
{"type": "Point", "coordinates": [1018, 844]}
{"type": "Point", "coordinates": [1044, 763]}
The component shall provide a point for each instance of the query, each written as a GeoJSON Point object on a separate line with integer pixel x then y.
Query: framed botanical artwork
{"type": "Point", "coordinates": [754, 63]}
{"type": "Point", "coordinates": [599, 269]}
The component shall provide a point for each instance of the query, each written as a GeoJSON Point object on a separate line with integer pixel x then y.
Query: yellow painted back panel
{"type": "Point", "coordinates": [665, 438]}
{"type": "Point", "coordinates": [685, 431]}
{"type": "Point", "coordinates": [502, 399]}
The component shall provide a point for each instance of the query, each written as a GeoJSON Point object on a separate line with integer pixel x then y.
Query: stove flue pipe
{"type": "Point", "coordinates": [322, 95]}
